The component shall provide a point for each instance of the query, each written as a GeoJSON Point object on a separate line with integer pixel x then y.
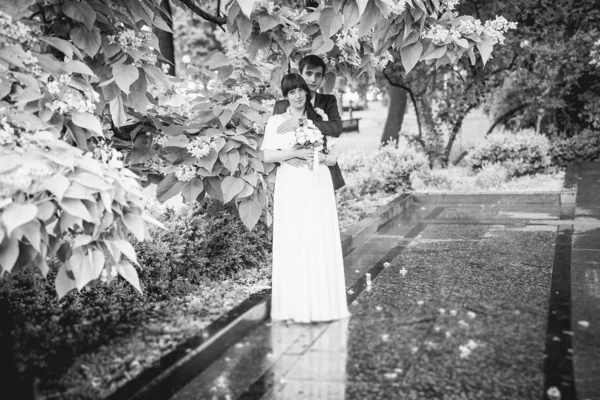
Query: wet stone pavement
{"type": "Point", "coordinates": [478, 301]}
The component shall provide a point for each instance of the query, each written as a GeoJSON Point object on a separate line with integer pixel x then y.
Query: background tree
{"type": "Point", "coordinates": [542, 77]}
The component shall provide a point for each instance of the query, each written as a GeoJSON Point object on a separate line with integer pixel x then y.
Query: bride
{"type": "Point", "coordinates": [308, 271]}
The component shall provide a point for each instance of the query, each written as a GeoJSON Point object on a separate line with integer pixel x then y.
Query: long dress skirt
{"type": "Point", "coordinates": [308, 270]}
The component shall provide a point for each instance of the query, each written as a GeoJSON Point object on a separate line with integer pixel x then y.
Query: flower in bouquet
{"type": "Point", "coordinates": [307, 135]}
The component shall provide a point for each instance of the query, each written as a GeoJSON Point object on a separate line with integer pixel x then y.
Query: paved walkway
{"type": "Point", "coordinates": [467, 301]}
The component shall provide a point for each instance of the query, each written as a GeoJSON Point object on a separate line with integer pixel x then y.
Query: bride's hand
{"type": "Point", "coordinates": [287, 126]}
{"type": "Point", "coordinates": [305, 154]}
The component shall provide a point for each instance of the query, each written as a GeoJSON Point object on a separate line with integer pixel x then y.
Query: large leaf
{"type": "Point", "coordinates": [9, 252]}
{"type": "Point", "coordinates": [434, 52]}
{"type": "Point", "coordinates": [80, 11]}
{"type": "Point", "coordinates": [168, 187]}
{"type": "Point", "coordinates": [63, 284]}
{"type": "Point", "coordinates": [87, 40]}
{"type": "Point", "coordinates": [16, 215]}
{"type": "Point", "coordinates": [87, 121]}
{"type": "Point", "coordinates": [329, 82]}
{"type": "Point", "coordinates": [351, 14]}
{"type": "Point", "coordinates": [362, 5]}
{"type": "Point", "coordinates": [230, 160]}
{"type": "Point", "coordinates": [117, 112]}
{"type": "Point", "coordinates": [79, 68]}
{"type": "Point", "coordinates": [67, 48]}
{"type": "Point", "coordinates": [330, 22]}
{"type": "Point", "coordinates": [410, 55]}
{"type": "Point", "coordinates": [322, 45]}
{"type": "Point", "coordinates": [57, 185]}
{"type": "Point", "coordinates": [192, 189]}
{"type": "Point", "coordinates": [244, 26]}
{"type": "Point", "coordinates": [246, 6]}
{"type": "Point", "coordinates": [267, 22]}
{"type": "Point", "coordinates": [485, 49]}
{"type": "Point", "coordinates": [218, 60]}
{"type": "Point", "coordinates": [125, 75]}
{"type": "Point", "coordinates": [250, 211]}
{"type": "Point", "coordinates": [76, 208]}
{"type": "Point", "coordinates": [127, 249]}
{"type": "Point", "coordinates": [135, 224]}
{"type": "Point", "coordinates": [369, 18]}
{"type": "Point", "coordinates": [259, 42]}
{"type": "Point", "coordinates": [230, 187]}
{"type": "Point", "coordinates": [127, 271]}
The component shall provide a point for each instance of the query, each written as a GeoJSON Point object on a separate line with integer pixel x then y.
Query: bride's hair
{"type": "Point", "coordinates": [295, 81]}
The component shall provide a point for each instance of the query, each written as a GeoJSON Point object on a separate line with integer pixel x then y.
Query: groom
{"type": "Point", "coordinates": [313, 68]}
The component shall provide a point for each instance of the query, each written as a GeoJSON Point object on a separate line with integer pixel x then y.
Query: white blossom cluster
{"type": "Point", "coordinates": [595, 54]}
{"type": "Point", "coordinates": [15, 31]}
{"type": "Point", "coordinates": [55, 87]}
{"type": "Point", "coordinates": [268, 5]}
{"type": "Point", "coordinates": [185, 173]}
{"type": "Point", "coordinates": [244, 90]}
{"type": "Point", "coordinates": [347, 38]}
{"type": "Point", "coordinates": [495, 29]}
{"type": "Point", "coordinates": [469, 27]}
{"type": "Point", "coordinates": [156, 164]}
{"type": "Point", "coordinates": [108, 155]}
{"type": "Point", "coordinates": [300, 38]}
{"type": "Point", "coordinates": [235, 52]}
{"type": "Point", "coordinates": [450, 4]}
{"type": "Point", "coordinates": [160, 140]}
{"type": "Point", "coordinates": [130, 39]}
{"type": "Point", "coordinates": [73, 100]}
{"type": "Point", "coordinates": [294, 14]}
{"type": "Point", "coordinates": [381, 61]}
{"type": "Point", "coordinates": [200, 147]}
{"type": "Point", "coordinates": [396, 6]}
{"type": "Point", "coordinates": [268, 103]}
{"type": "Point", "coordinates": [7, 132]}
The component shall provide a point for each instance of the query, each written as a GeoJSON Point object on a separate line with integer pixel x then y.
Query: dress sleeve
{"type": "Point", "coordinates": [269, 139]}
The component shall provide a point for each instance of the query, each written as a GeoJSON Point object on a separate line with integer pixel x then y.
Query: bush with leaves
{"type": "Point", "coordinates": [521, 153]}
{"type": "Point", "coordinates": [201, 243]}
{"type": "Point", "coordinates": [388, 169]}
{"type": "Point", "coordinates": [584, 147]}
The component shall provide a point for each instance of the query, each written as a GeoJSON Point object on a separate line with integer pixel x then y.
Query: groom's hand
{"type": "Point", "coordinates": [288, 126]}
{"type": "Point", "coordinates": [297, 162]}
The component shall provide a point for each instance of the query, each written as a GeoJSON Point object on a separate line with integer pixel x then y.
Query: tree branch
{"type": "Point", "coordinates": [215, 19]}
{"type": "Point", "coordinates": [506, 115]}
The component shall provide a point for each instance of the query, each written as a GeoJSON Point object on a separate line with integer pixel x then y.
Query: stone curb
{"type": "Point", "coordinates": [366, 227]}
{"type": "Point", "coordinates": [541, 198]}
{"type": "Point", "coordinates": [177, 368]}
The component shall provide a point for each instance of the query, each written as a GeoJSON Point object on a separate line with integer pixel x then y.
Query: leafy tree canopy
{"type": "Point", "coordinates": [81, 79]}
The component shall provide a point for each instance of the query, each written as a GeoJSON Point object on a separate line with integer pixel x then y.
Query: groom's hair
{"type": "Point", "coordinates": [294, 81]}
{"type": "Point", "coordinates": [312, 61]}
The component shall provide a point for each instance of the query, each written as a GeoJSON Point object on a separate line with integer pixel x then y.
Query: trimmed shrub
{"type": "Point", "coordinates": [491, 176]}
{"type": "Point", "coordinates": [388, 169]}
{"type": "Point", "coordinates": [582, 147]}
{"type": "Point", "coordinates": [522, 153]}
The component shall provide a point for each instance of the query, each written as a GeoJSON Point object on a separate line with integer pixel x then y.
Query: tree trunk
{"type": "Point", "coordinates": [396, 111]}
{"type": "Point", "coordinates": [455, 131]}
{"type": "Point", "coordinates": [165, 39]}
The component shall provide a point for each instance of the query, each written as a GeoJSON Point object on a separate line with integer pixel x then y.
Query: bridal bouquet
{"type": "Point", "coordinates": [307, 135]}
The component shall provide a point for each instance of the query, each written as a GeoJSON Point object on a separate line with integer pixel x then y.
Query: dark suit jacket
{"type": "Point", "coordinates": [333, 127]}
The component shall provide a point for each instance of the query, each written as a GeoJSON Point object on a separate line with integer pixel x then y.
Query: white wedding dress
{"type": "Point", "coordinates": [308, 269]}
